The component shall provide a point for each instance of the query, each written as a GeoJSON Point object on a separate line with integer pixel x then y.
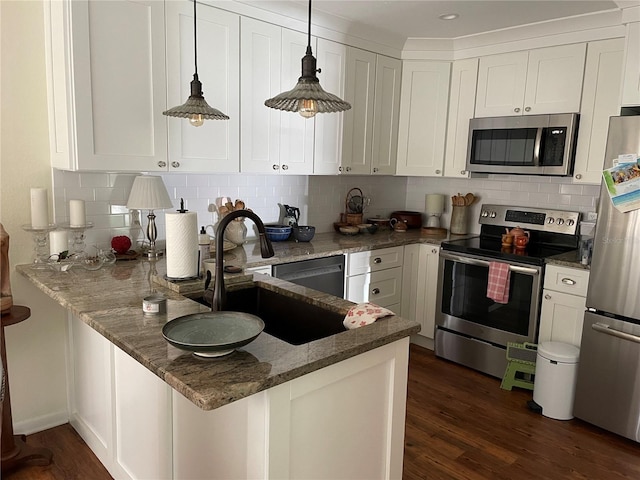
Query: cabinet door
{"type": "Point", "coordinates": [501, 84]}
{"type": "Point", "coordinates": [464, 78]}
{"type": "Point", "coordinates": [631, 79]}
{"type": "Point", "coordinates": [554, 79]}
{"type": "Point", "coordinates": [382, 288]}
{"type": "Point", "coordinates": [561, 317]}
{"type": "Point", "coordinates": [386, 113]}
{"type": "Point", "coordinates": [431, 290]}
{"type": "Point", "coordinates": [419, 286]}
{"type": "Point", "coordinates": [600, 96]}
{"type": "Point", "coordinates": [332, 59]}
{"type": "Point", "coordinates": [214, 146]}
{"type": "Point", "coordinates": [296, 132]}
{"type": "Point", "coordinates": [260, 60]}
{"type": "Point", "coordinates": [119, 85]}
{"type": "Point", "coordinates": [358, 121]}
{"type": "Point", "coordinates": [423, 118]}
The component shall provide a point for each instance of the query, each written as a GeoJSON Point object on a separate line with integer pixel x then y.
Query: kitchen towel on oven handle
{"type": "Point", "coordinates": [498, 282]}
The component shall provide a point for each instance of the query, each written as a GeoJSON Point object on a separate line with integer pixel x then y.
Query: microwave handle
{"type": "Point", "coordinates": [483, 263]}
{"type": "Point", "coordinates": [537, 146]}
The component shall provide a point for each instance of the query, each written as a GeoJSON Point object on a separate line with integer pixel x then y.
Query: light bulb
{"type": "Point", "coordinates": [307, 108]}
{"type": "Point", "coordinates": [196, 120]}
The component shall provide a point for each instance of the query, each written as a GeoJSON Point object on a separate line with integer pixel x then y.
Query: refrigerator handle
{"type": "Point", "coordinates": [606, 329]}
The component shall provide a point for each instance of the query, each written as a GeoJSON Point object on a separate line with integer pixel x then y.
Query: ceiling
{"type": "Point", "coordinates": [419, 18]}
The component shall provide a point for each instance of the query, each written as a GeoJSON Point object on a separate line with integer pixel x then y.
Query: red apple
{"type": "Point", "coordinates": [121, 244]}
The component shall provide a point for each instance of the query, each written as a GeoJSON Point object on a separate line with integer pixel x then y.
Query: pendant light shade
{"type": "Point", "coordinates": [196, 108]}
{"type": "Point", "coordinates": [307, 97]}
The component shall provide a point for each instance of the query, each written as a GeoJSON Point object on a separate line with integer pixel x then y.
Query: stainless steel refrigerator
{"type": "Point", "coordinates": [608, 383]}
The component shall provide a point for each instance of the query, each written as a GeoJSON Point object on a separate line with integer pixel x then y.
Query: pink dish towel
{"type": "Point", "coordinates": [364, 314]}
{"type": "Point", "coordinates": [498, 283]}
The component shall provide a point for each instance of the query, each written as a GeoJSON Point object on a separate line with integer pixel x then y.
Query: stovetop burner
{"type": "Point", "coordinates": [552, 232]}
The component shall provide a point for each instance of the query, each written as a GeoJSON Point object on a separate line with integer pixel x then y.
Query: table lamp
{"type": "Point", "coordinates": [434, 206]}
{"type": "Point", "coordinates": [149, 193]}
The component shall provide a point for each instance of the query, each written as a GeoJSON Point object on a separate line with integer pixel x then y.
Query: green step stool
{"type": "Point", "coordinates": [521, 358]}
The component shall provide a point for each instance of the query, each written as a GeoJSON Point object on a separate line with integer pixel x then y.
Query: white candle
{"type": "Point", "coordinates": [434, 204]}
{"type": "Point", "coordinates": [77, 215]}
{"type": "Point", "coordinates": [58, 242]}
{"type": "Point", "coordinates": [39, 208]}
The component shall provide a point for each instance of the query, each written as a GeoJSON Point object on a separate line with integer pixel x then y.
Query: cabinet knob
{"type": "Point", "coordinates": [375, 291]}
{"type": "Point", "coordinates": [162, 164]}
{"type": "Point", "coordinates": [339, 169]}
{"type": "Point", "coordinates": [275, 167]}
{"type": "Point", "coordinates": [517, 109]}
{"type": "Point", "coordinates": [437, 172]}
{"type": "Point", "coordinates": [527, 109]}
{"type": "Point", "coordinates": [377, 260]}
{"type": "Point", "coordinates": [175, 164]}
{"type": "Point", "coordinates": [547, 297]}
{"type": "Point", "coordinates": [463, 172]}
{"type": "Point", "coordinates": [348, 169]}
{"type": "Point", "coordinates": [285, 167]}
{"type": "Point", "coordinates": [578, 176]}
{"type": "Point", "coordinates": [375, 170]}
{"type": "Point", "coordinates": [435, 250]}
{"type": "Point", "coordinates": [568, 281]}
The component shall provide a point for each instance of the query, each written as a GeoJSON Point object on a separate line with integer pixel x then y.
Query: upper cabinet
{"type": "Point", "coordinates": [541, 81]}
{"type": "Point", "coordinates": [423, 118]}
{"type": "Point", "coordinates": [272, 141]}
{"type": "Point", "coordinates": [106, 84]}
{"type": "Point", "coordinates": [600, 97]}
{"type": "Point", "coordinates": [631, 79]}
{"type": "Point", "coordinates": [214, 146]}
{"type": "Point", "coordinates": [371, 125]}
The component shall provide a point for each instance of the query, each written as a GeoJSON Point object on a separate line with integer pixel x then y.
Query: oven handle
{"type": "Point", "coordinates": [483, 263]}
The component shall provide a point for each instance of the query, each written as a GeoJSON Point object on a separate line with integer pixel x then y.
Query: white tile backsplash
{"type": "Point", "coordinates": [321, 199]}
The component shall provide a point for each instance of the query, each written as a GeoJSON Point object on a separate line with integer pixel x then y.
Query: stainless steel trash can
{"type": "Point", "coordinates": [555, 380]}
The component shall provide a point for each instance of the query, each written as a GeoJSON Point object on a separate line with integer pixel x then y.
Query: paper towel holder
{"type": "Point", "coordinates": [149, 193]}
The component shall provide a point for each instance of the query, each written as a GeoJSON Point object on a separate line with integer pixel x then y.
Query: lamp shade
{"type": "Point", "coordinates": [434, 204]}
{"type": "Point", "coordinates": [148, 193]}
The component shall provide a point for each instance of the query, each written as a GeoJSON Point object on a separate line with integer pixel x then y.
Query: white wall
{"type": "Point", "coordinates": [35, 347]}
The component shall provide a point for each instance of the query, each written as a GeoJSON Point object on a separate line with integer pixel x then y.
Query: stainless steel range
{"type": "Point", "coordinates": [472, 329]}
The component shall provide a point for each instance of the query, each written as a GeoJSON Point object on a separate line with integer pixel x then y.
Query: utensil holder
{"type": "Point", "coordinates": [459, 220]}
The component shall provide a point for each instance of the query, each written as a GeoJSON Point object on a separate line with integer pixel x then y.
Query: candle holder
{"type": "Point", "coordinates": [40, 236]}
{"type": "Point", "coordinates": [78, 245]}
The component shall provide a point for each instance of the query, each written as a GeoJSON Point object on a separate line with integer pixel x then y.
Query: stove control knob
{"type": "Point", "coordinates": [551, 220]}
{"type": "Point", "coordinates": [560, 221]}
{"type": "Point", "coordinates": [493, 215]}
{"type": "Point", "coordinates": [570, 222]}
{"type": "Point", "coordinates": [484, 213]}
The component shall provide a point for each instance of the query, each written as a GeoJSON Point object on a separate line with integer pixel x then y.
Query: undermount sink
{"type": "Point", "coordinates": [289, 319]}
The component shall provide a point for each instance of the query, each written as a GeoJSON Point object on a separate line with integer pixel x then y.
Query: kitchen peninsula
{"type": "Point", "coordinates": [332, 408]}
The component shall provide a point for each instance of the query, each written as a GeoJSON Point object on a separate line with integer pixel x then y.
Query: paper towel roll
{"type": "Point", "coordinates": [182, 245]}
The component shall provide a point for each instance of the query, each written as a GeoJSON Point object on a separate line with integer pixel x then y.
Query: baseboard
{"type": "Point", "coordinates": [38, 424]}
{"type": "Point", "coordinates": [422, 341]}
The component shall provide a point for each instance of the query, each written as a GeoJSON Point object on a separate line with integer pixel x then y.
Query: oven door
{"type": "Point", "coordinates": [465, 309]}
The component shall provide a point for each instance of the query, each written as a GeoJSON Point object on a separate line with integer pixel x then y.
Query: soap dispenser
{"type": "Point", "coordinates": [204, 242]}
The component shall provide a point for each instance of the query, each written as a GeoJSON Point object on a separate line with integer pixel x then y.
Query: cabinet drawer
{"type": "Point", "coordinates": [381, 288]}
{"type": "Point", "coordinates": [567, 280]}
{"type": "Point", "coordinates": [374, 260]}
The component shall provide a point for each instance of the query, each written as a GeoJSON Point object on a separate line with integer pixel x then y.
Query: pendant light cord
{"type": "Point", "coordinates": [309, 29]}
{"type": "Point", "coordinates": [195, 39]}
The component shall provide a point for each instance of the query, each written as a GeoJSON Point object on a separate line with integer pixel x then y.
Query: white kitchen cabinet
{"type": "Point", "coordinates": [600, 100]}
{"type": "Point", "coordinates": [118, 407]}
{"type": "Point", "coordinates": [332, 60]}
{"type": "Point", "coordinates": [386, 114]}
{"type": "Point", "coordinates": [631, 76]}
{"type": "Point", "coordinates": [462, 101]}
{"type": "Point", "coordinates": [424, 100]}
{"type": "Point", "coordinates": [563, 305]}
{"type": "Point", "coordinates": [375, 276]}
{"type": "Point", "coordinates": [541, 81]}
{"type": "Point", "coordinates": [272, 141]}
{"type": "Point", "coordinates": [106, 82]}
{"type": "Point", "coordinates": [419, 289]}
{"type": "Point", "coordinates": [214, 146]}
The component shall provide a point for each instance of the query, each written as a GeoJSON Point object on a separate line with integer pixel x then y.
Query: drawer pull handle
{"type": "Point", "coordinates": [547, 297]}
{"type": "Point", "coordinates": [377, 260]}
{"type": "Point", "coordinates": [375, 291]}
{"type": "Point", "coordinates": [568, 281]}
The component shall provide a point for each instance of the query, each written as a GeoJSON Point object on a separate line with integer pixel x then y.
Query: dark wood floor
{"type": "Point", "coordinates": [460, 425]}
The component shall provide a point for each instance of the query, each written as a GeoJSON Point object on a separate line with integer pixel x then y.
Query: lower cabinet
{"type": "Point", "coordinates": [563, 305]}
{"type": "Point", "coordinates": [419, 289]}
{"type": "Point", "coordinates": [342, 421]}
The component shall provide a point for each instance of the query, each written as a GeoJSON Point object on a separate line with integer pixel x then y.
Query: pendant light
{"type": "Point", "coordinates": [307, 97]}
{"type": "Point", "coordinates": [196, 109]}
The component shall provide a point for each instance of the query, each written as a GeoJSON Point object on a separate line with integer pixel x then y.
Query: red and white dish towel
{"type": "Point", "coordinates": [364, 314]}
{"type": "Point", "coordinates": [498, 284]}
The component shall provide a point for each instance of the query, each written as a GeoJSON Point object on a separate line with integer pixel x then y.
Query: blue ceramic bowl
{"type": "Point", "coordinates": [277, 233]}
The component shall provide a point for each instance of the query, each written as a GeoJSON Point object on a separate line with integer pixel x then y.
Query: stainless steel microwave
{"type": "Point", "coordinates": [529, 144]}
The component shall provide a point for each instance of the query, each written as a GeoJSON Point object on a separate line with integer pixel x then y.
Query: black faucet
{"type": "Point", "coordinates": [219, 301]}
